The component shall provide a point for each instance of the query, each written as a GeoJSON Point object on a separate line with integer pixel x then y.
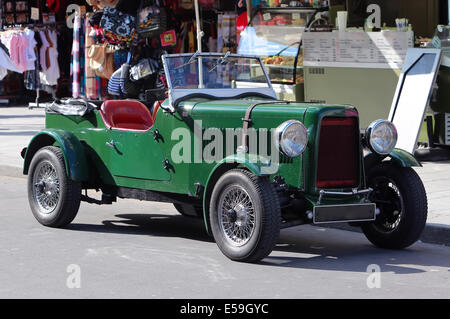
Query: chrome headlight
{"type": "Point", "coordinates": [381, 137]}
{"type": "Point", "coordinates": [291, 138]}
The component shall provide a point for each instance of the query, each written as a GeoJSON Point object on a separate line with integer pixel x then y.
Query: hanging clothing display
{"type": "Point", "coordinates": [143, 29]}
{"type": "Point", "coordinates": [78, 60]}
{"type": "Point", "coordinates": [6, 63]}
{"type": "Point", "coordinates": [30, 53]}
{"type": "Point", "coordinates": [86, 82]}
{"type": "Point", "coordinates": [17, 51]}
{"type": "Point", "coordinates": [91, 92]}
{"type": "Point", "coordinates": [50, 73]}
{"type": "Point", "coordinates": [20, 44]}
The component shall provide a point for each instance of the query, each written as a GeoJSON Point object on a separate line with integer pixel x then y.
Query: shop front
{"type": "Point", "coordinates": [57, 49]}
{"type": "Point", "coordinates": [111, 49]}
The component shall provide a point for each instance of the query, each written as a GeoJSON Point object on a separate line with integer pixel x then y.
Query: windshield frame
{"type": "Point", "coordinates": [175, 94]}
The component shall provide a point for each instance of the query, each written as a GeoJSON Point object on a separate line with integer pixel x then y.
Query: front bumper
{"type": "Point", "coordinates": [348, 212]}
{"type": "Point", "coordinates": [354, 192]}
{"type": "Point", "coordinates": [344, 213]}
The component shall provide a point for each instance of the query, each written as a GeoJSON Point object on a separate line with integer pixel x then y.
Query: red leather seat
{"type": "Point", "coordinates": [126, 115]}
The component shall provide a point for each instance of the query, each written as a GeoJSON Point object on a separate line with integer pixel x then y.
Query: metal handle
{"type": "Point", "coordinates": [111, 144]}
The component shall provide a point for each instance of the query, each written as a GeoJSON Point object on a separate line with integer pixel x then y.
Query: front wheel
{"type": "Point", "coordinates": [54, 198]}
{"type": "Point", "coordinates": [402, 202]}
{"type": "Point", "coordinates": [245, 216]}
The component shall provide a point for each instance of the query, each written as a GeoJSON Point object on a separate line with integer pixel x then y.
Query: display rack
{"type": "Point", "coordinates": [357, 68]}
{"type": "Point", "coordinates": [275, 34]}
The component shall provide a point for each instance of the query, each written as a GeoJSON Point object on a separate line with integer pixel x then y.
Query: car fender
{"type": "Point", "coordinates": [73, 151]}
{"type": "Point", "coordinates": [398, 157]}
{"type": "Point", "coordinates": [260, 166]}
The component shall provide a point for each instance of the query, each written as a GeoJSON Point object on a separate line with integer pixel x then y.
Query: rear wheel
{"type": "Point", "coordinates": [245, 216]}
{"type": "Point", "coordinates": [402, 202]}
{"type": "Point", "coordinates": [53, 197]}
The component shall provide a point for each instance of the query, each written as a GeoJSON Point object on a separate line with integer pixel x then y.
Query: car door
{"type": "Point", "coordinates": [136, 155]}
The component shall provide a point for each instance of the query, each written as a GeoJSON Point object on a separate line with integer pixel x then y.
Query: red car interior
{"type": "Point", "coordinates": [126, 115]}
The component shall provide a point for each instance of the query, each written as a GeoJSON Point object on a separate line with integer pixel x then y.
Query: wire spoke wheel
{"type": "Point", "coordinates": [245, 215]}
{"type": "Point", "coordinates": [53, 197]}
{"type": "Point", "coordinates": [236, 215]}
{"type": "Point", "coordinates": [390, 202]}
{"type": "Point", "coordinates": [46, 187]}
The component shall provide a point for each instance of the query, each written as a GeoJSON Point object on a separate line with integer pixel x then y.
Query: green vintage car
{"type": "Point", "coordinates": [221, 147]}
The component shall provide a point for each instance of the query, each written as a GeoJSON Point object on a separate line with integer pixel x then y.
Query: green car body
{"type": "Point", "coordinates": [141, 165]}
{"type": "Point", "coordinates": [89, 160]}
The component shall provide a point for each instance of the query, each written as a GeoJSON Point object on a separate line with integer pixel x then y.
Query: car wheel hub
{"type": "Point", "coordinates": [241, 215]}
{"type": "Point", "coordinates": [46, 187]}
{"type": "Point", "coordinates": [236, 215]}
{"type": "Point", "coordinates": [390, 202]}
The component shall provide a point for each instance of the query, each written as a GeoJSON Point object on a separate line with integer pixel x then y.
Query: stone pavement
{"type": "Point", "coordinates": [19, 124]}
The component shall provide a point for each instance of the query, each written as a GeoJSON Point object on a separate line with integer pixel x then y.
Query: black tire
{"type": "Point", "coordinates": [189, 210]}
{"type": "Point", "coordinates": [403, 206]}
{"type": "Point", "coordinates": [62, 208]}
{"type": "Point", "coordinates": [259, 204]}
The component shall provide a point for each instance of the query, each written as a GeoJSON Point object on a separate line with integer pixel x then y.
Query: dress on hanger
{"type": "Point", "coordinates": [50, 73]}
{"type": "Point", "coordinates": [6, 64]}
{"type": "Point", "coordinates": [30, 53]}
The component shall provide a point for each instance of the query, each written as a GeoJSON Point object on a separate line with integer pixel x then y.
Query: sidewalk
{"type": "Point", "coordinates": [19, 124]}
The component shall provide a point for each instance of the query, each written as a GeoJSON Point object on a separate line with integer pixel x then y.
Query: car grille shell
{"type": "Point", "coordinates": [338, 153]}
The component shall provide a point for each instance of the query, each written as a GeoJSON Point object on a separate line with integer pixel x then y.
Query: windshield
{"type": "Point", "coordinates": [218, 71]}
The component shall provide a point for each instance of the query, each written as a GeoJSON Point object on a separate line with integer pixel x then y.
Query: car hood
{"type": "Point", "coordinates": [235, 109]}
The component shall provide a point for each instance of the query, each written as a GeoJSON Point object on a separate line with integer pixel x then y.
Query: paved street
{"type": "Point", "coordinates": [146, 250]}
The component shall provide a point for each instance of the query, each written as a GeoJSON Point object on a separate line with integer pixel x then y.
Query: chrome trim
{"type": "Point", "coordinates": [354, 192]}
{"type": "Point", "coordinates": [368, 134]}
{"type": "Point", "coordinates": [279, 131]}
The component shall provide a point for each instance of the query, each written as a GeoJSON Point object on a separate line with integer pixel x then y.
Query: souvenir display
{"type": "Point", "coordinates": [151, 21]}
{"type": "Point", "coordinates": [118, 25]}
{"type": "Point", "coordinates": [115, 45]}
{"type": "Point", "coordinates": [130, 38]}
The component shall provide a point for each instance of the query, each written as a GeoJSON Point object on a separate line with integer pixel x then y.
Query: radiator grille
{"type": "Point", "coordinates": [338, 158]}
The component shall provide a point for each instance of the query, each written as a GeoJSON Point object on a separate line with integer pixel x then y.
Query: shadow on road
{"type": "Point", "coordinates": [302, 247]}
{"type": "Point", "coordinates": [158, 225]}
{"type": "Point", "coordinates": [337, 250]}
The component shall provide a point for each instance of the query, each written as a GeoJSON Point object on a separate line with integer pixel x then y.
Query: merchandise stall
{"type": "Point", "coordinates": [35, 46]}
{"type": "Point", "coordinates": [99, 41]}
{"type": "Point", "coordinates": [275, 34]}
{"type": "Point", "coordinates": [119, 45]}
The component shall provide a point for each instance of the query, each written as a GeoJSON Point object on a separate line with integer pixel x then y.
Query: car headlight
{"type": "Point", "coordinates": [381, 137]}
{"type": "Point", "coordinates": [291, 138]}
